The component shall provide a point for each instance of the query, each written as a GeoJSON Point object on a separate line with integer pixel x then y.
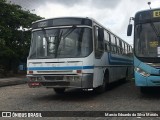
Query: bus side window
{"type": "Point", "coordinates": [129, 54]}
{"type": "Point", "coordinates": [105, 46]}
{"type": "Point", "coordinates": [126, 49]}
{"type": "Point", "coordinates": [118, 46]}
{"type": "Point", "coordinates": [123, 48]}
{"type": "Point", "coordinates": [113, 44]}
{"type": "Point", "coordinates": [106, 39]}
{"type": "Point", "coordinates": [108, 46]}
{"type": "Point", "coordinates": [99, 42]}
{"type": "Point", "coordinates": [113, 48]}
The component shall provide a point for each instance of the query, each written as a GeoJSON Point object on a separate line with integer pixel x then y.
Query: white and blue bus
{"type": "Point", "coordinates": [146, 48]}
{"type": "Point", "coordinates": [75, 52]}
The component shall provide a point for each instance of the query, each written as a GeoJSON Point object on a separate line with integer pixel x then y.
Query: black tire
{"type": "Point", "coordinates": [144, 90]}
{"type": "Point", "coordinates": [59, 90]}
{"type": "Point", "coordinates": [104, 86]}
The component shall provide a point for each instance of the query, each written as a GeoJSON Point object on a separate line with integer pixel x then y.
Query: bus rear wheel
{"type": "Point", "coordinates": [59, 90]}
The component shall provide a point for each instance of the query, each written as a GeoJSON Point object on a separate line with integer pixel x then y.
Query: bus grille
{"type": "Point", "coordinates": [53, 77]}
{"type": "Point", "coordinates": [47, 84]}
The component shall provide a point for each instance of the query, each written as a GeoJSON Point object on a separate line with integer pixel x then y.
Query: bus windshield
{"type": "Point", "coordinates": [147, 40]}
{"type": "Point", "coordinates": [71, 42]}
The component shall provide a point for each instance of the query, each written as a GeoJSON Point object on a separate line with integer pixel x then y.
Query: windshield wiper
{"type": "Point", "coordinates": [69, 31]}
{"type": "Point", "coordinates": [63, 36]}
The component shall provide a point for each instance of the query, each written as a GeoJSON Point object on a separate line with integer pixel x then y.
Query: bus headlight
{"type": "Point", "coordinates": [142, 72]}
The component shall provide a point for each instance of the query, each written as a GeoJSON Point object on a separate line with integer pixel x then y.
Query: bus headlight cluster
{"type": "Point", "coordinates": [142, 72]}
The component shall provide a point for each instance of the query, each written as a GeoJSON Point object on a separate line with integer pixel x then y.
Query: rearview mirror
{"type": "Point", "coordinates": [129, 30]}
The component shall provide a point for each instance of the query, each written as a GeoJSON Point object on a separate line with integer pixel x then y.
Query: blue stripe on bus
{"type": "Point", "coordinates": [118, 61]}
{"type": "Point", "coordinates": [61, 68]}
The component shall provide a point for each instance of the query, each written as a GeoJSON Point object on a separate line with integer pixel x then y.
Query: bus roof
{"type": "Point", "coordinates": [58, 18]}
{"type": "Point", "coordinates": [146, 10]}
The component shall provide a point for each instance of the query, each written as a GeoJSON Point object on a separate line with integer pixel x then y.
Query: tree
{"type": "Point", "coordinates": [14, 44]}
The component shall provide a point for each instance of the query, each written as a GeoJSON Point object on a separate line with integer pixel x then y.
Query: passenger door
{"type": "Point", "coordinates": [99, 50]}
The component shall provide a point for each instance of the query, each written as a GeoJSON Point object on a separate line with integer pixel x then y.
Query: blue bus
{"type": "Point", "coordinates": [146, 48]}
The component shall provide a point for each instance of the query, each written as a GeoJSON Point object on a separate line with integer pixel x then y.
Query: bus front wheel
{"type": "Point", "coordinates": [144, 90]}
{"type": "Point", "coordinates": [104, 86]}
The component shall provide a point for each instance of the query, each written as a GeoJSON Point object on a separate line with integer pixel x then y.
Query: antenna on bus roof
{"type": "Point", "coordinates": [149, 3]}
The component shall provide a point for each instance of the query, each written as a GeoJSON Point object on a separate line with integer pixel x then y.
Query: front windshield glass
{"type": "Point", "coordinates": [147, 40]}
{"type": "Point", "coordinates": [61, 43]}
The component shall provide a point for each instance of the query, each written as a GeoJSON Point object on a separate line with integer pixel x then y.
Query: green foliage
{"type": "Point", "coordinates": [14, 44]}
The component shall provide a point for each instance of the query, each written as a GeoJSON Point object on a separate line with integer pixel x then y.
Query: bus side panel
{"type": "Point", "coordinates": [98, 73]}
{"type": "Point", "coordinates": [117, 73]}
{"type": "Point", "coordinates": [120, 66]}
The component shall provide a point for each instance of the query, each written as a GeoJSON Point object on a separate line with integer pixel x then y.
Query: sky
{"type": "Point", "coordinates": [112, 14]}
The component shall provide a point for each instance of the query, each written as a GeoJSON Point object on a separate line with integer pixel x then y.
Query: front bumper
{"type": "Point", "coordinates": [61, 81]}
{"type": "Point", "coordinates": [149, 81]}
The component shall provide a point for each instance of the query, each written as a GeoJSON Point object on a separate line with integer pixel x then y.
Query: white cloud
{"type": "Point", "coordinates": [155, 4]}
{"type": "Point", "coordinates": [113, 14]}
